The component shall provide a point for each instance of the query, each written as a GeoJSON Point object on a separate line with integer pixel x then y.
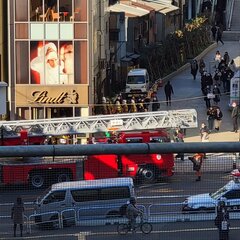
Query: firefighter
{"type": "Point", "coordinates": [222, 221]}
{"type": "Point", "coordinates": [133, 107]}
{"type": "Point", "coordinates": [124, 106]}
{"type": "Point", "coordinates": [110, 108]}
{"type": "Point", "coordinates": [118, 107]}
{"type": "Point", "coordinates": [197, 160]}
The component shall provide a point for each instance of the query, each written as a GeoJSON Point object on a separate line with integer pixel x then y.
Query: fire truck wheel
{"type": "Point", "coordinates": [147, 174]}
{"type": "Point", "coordinates": [64, 177]}
{"type": "Point", "coordinates": [37, 180]}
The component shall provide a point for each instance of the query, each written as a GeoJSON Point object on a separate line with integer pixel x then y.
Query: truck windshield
{"type": "Point", "coordinates": [136, 80]}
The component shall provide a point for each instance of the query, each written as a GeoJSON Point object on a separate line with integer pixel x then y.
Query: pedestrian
{"type": "Point", "coordinates": [168, 89]}
{"type": "Point", "coordinates": [178, 136]}
{"type": "Point", "coordinates": [219, 35]}
{"type": "Point", "coordinates": [222, 221]}
{"type": "Point", "coordinates": [202, 66]}
{"type": "Point", "coordinates": [204, 133]}
{"type": "Point", "coordinates": [217, 77]}
{"type": "Point", "coordinates": [17, 215]}
{"type": "Point", "coordinates": [217, 58]}
{"type": "Point", "coordinates": [155, 104]}
{"type": "Point", "coordinates": [235, 115]}
{"type": "Point", "coordinates": [218, 118]}
{"type": "Point", "coordinates": [217, 94]}
{"type": "Point", "coordinates": [194, 68]}
{"type": "Point", "coordinates": [232, 66]}
{"type": "Point", "coordinates": [211, 118]}
{"type": "Point", "coordinates": [207, 98]}
{"type": "Point", "coordinates": [197, 160]}
{"type": "Point", "coordinates": [226, 58]}
{"type": "Point", "coordinates": [214, 30]}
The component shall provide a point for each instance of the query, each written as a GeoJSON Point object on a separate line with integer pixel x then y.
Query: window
{"type": "Point", "coordinates": [234, 194]}
{"type": "Point", "coordinates": [134, 140]}
{"type": "Point", "coordinates": [85, 195]}
{"type": "Point", "coordinates": [114, 193]}
{"type": "Point", "coordinates": [157, 139]}
{"type": "Point", "coordinates": [57, 196]}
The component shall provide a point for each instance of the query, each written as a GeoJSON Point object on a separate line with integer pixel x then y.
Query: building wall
{"type": "Point", "coordinates": [49, 56]}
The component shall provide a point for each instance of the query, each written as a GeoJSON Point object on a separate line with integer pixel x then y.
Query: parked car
{"type": "Point", "coordinates": [230, 194]}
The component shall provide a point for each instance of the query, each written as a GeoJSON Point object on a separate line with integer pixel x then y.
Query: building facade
{"type": "Point", "coordinates": [48, 58]}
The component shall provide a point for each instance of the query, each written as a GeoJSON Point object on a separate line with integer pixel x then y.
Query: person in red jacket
{"type": "Point", "coordinates": [197, 160]}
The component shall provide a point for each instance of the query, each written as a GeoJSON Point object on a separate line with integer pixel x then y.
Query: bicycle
{"type": "Point", "coordinates": [144, 226]}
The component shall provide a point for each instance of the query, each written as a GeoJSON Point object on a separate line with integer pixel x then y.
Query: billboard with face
{"type": "Point", "coordinates": [51, 62]}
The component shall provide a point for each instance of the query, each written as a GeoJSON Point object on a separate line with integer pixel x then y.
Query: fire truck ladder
{"type": "Point", "coordinates": [185, 118]}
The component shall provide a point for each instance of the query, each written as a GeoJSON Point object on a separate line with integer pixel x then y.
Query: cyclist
{"type": "Point", "coordinates": [132, 212]}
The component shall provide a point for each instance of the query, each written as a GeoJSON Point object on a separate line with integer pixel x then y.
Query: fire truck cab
{"type": "Point", "coordinates": [142, 167]}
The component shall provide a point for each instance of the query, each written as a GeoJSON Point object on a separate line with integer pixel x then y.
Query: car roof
{"type": "Point", "coordinates": [232, 185]}
{"type": "Point", "coordinates": [99, 183]}
{"type": "Point", "coordinates": [137, 71]}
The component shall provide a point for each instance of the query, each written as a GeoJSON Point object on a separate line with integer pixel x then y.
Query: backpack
{"type": "Point", "coordinates": [123, 210]}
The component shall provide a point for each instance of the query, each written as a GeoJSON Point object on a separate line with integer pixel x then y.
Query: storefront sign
{"type": "Point", "coordinates": [63, 98]}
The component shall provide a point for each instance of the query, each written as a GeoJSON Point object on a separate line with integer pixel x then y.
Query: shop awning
{"type": "Point", "coordinates": [130, 10]}
{"type": "Point", "coordinates": [158, 6]}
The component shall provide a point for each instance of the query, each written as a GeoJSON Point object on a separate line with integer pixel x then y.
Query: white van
{"type": "Point", "coordinates": [235, 89]}
{"type": "Point", "coordinates": [137, 81]}
{"type": "Point", "coordinates": [91, 199]}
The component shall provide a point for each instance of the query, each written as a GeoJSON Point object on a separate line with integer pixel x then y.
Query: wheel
{"type": "Point", "coordinates": [63, 177]}
{"type": "Point", "coordinates": [37, 180]}
{"type": "Point", "coordinates": [147, 174]}
{"type": "Point", "coordinates": [122, 228]}
{"type": "Point", "coordinates": [146, 227]}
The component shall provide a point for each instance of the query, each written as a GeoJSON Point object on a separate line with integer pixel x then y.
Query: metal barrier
{"type": "Point", "coordinates": [63, 218]}
{"type": "Point", "coordinates": [59, 220]}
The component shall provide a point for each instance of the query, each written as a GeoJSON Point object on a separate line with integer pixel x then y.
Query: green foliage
{"type": "Point", "coordinates": [178, 48]}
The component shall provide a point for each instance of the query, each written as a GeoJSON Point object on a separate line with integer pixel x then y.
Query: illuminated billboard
{"type": "Point", "coordinates": [52, 63]}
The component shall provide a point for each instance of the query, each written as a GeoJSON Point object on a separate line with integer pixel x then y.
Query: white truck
{"type": "Point", "coordinates": [137, 81]}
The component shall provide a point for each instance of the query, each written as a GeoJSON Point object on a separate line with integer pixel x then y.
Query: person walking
{"type": "Point", "coordinates": [234, 115]}
{"type": "Point", "coordinates": [204, 134]}
{"type": "Point", "coordinates": [168, 89]}
{"type": "Point", "coordinates": [197, 160]}
{"type": "Point", "coordinates": [219, 35]}
{"type": "Point", "coordinates": [202, 66]}
{"type": "Point", "coordinates": [178, 136]}
{"type": "Point", "coordinates": [214, 30]}
{"type": "Point", "coordinates": [211, 118]}
{"type": "Point", "coordinates": [194, 68]}
{"type": "Point", "coordinates": [218, 118]}
{"type": "Point", "coordinates": [17, 215]}
{"type": "Point", "coordinates": [217, 94]}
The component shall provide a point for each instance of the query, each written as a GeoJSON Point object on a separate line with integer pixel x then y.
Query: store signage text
{"type": "Point", "coordinates": [63, 98]}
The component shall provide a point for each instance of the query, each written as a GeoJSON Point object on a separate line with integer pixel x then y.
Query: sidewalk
{"type": "Point", "coordinates": [187, 94]}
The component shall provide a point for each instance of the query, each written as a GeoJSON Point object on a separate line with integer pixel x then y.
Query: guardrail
{"type": "Point", "coordinates": [155, 213]}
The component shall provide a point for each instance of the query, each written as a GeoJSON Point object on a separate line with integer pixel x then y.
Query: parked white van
{"type": "Point", "coordinates": [91, 199]}
{"type": "Point", "coordinates": [137, 81]}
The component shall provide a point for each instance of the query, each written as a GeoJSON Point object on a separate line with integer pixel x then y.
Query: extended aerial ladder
{"type": "Point", "coordinates": [185, 118]}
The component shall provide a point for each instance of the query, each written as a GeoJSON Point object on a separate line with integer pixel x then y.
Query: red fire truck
{"type": "Point", "coordinates": [39, 172]}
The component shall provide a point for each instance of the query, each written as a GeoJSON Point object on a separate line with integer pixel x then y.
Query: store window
{"type": "Point", "coordinates": [37, 113]}
{"type": "Point", "coordinates": [21, 10]}
{"type": "Point", "coordinates": [21, 31]}
{"type": "Point", "coordinates": [80, 54]}
{"type": "Point", "coordinates": [36, 10]}
{"type": "Point", "coordinates": [22, 66]}
{"type": "Point", "coordinates": [80, 31]}
{"type": "Point", "coordinates": [80, 10]}
{"type": "Point", "coordinates": [22, 113]}
{"type": "Point", "coordinates": [65, 10]}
